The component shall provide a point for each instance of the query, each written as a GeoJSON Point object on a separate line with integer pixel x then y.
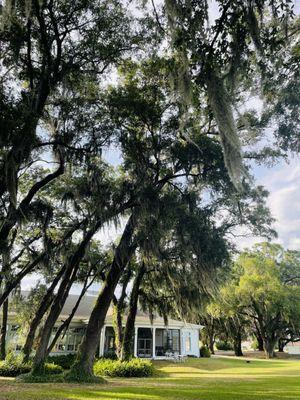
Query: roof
{"type": "Point", "coordinates": [143, 318]}
{"type": "Point", "coordinates": [84, 309]}
{"type": "Point", "coordinates": [88, 301]}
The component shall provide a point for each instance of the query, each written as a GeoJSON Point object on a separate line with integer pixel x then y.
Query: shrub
{"type": "Point", "coordinates": [204, 352]}
{"type": "Point", "coordinates": [132, 368]}
{"type": "Point", "coordinates": [13, 366]}
{"type": "Point", "coordinates": [224, 345]}
{"type": "Point", "coordinates": [64, 360]}
{"type": "Point", "coordinates": [52, 369]}
{"type": "Point", "coordinates": [50, 373]}
{"type": "Point", "coordinates": [13, 369]}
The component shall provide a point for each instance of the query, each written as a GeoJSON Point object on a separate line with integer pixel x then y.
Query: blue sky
{"type": "Point", "coordinates": [283, 183]}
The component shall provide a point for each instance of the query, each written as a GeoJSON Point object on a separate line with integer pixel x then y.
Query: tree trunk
{"type": "Point", "coordinates": [269, 347]}
{"type": "Point", "coordinates": [118, 327]}
{"type": "Point", "coordinates": [260, 342]}
{"type": "Point", "coordinates": [237, 346]}
{"type": "Point", "coordinates": [119, 307]}
{"type": "Point", "coordinates": [281, 345]}
{"type": "Point", "coordinates": [259, 338]}
{"type": "Point", "coordinates": [3, 330]}
{"type": "Point", "coordinates": [59, 301]}
{"type": "Point", "coordinates": [211, 345]}
{"type": "Point", "coordinates": [127, 349]}
{"type": "Point", "coordinates": [83, 366]}
{"type": "Point", "coordinates": [4, 280]}
{"type": "Point", "coordinates": [43, 307]}
{"type": "Point", "coordinates": [57, 305]}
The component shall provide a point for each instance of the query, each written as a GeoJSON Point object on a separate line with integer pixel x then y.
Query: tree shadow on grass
{"type": "Point", "coordinates": [233, 392]}
{"type": "Point", "coordinates": [223, 366]}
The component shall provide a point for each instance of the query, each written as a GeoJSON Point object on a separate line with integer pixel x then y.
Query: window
{"type": "Point", "coordinates": [188, 342]}
{"type": "Point", "coordinates": [167, 340]}
{"type": "Point", "coordinates": [144, 347]}
{"type": "Point", "coordinates": [171, 339]}
{"type": "Point", "coordinates": [175, 339]}
{"type": "Point", "coordinates": [109, 345]}
{"type": "Point", "coordinates": [144, 342]}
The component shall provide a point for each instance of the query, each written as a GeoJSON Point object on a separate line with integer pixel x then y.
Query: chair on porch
{"type": "Point", "coordinates": [179, 357]}
{"type": "Point", "coordinates": [169, 355]}
{"type": "Point", "coordinates": [175, 357]}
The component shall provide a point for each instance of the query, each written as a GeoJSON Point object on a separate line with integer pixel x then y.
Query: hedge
{"type": "Point", "coordinates": [132, 368]}
{"type": "Point", "coordinates": [12, 366]}
{"type": "Point", "coordinates": [13, 369]}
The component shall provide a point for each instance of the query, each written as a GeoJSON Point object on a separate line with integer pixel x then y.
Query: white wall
{"type": "Point", "coordinates": [193, 334]}
{"type": "Point", "coordinates": [292, 348]}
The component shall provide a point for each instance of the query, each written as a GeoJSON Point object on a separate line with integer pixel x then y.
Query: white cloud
{"type": "Point", "coordinates": [283, 183]}
{"type": "Point", "coordinates": [284, 202]}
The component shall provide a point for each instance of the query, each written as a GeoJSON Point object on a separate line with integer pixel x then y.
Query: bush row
{"type": "Point", "coordinates": [12, 366]}
{"type": "Point", "coordinates": [13, 369]}
{"type": "Point", "coordinates": [132, 368]}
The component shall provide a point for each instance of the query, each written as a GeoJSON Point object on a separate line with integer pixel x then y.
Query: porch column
{"type": "Point", "coordinates": [135, 342]}
{"type": "Point", "coordinates": [153, 341]}
{"type": "Point", "coordinates": [102, 341]}
{"type": "Point", "coordinates": [180, 344]}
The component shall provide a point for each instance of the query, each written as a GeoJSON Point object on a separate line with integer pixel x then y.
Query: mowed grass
{"type": "Point", "coordinates": [203, 379]}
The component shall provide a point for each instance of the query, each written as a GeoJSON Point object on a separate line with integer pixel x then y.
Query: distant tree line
{"type": "Point", "coordinates": [258, 300]}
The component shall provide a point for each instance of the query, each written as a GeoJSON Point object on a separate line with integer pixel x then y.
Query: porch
{"type": "Point", "coordinates": [148, 342]}
{"type": "Point", "coordinates": [156, 342]}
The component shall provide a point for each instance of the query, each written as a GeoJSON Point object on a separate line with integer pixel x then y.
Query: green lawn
{"type": "Point", "coordinates": [204, 379]}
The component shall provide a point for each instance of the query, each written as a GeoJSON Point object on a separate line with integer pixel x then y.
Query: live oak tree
{"type": "Point", "coordinates": [91, 268]}
{"type": "Point", "coordinates": [54, 56]}
{"type": "Point", "coordinates": [229, 319]}
{"type": "Point", "coordinates": [166, 262]}
{"type": "Point", "coordinates": [154, 159]}
{"type": "Point", "coordinates": [96, 198]}
{"type": "Point", "coordinates": [264, 295]}
{"type": "Point", "coordinates": [256, 297]}
{"type": "Point", "coordinates": [138, 111]}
